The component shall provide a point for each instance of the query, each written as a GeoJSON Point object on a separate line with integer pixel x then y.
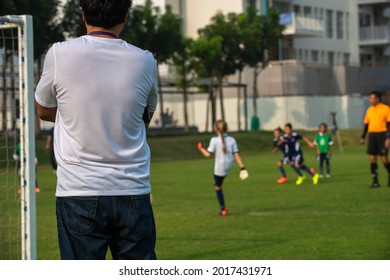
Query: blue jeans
{"type": "Point", "coordinates": [88, 226]}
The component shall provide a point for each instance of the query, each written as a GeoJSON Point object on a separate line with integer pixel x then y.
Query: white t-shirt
{"type": "Point", "coordinates": [101, 87]}
{"type": "Point", "coordinates": [223, 162]}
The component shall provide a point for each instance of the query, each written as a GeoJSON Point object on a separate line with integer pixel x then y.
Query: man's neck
{"type": "Point", "coordinates": [100, 32]}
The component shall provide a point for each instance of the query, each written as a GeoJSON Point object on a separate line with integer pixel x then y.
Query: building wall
{"type": "Point", "coordinates": [344, 49]}
{"type": "Point", "coordinates": [304, 112]}
{"type": "Point", "coordinates": [199, 12]}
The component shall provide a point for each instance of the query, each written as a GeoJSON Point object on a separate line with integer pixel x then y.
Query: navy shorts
{"type": "Point", "coordinates": [285, 160]}
{"type": "Point", "coordinates": [218, 180]}
{"type": "Point", "coordinates": [297, 159]}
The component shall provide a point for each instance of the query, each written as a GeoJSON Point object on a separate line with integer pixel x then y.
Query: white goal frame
{"type": "Point", "coordinates": [24, 24]}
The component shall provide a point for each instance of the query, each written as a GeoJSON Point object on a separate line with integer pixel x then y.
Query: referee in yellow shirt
{"type": "Point", "coordinates": [377, 124]}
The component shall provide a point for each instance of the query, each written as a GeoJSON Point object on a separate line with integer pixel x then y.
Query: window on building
{"type": "Point", "coordinates": [314, 56]}
{"type": "Point", "coordinates": [346, 58]}
{"type": "Point", "coordinates": [329, 23]}
{"type": "Point", "coordinates": [340, 25]}
{"type": "Point", "coordinates": [282, 6]}
{"type": "Point", "coordinates": [331, 58]}
{"type": "Point", "coordinates": [307, 11]}
{"type": "Point", "coordinates": [297, 9]}
{"type": "Point", "coordinates": [299, 55]}
{"type": "Point", "coordinates": [347, 26]}
{"type": "Point", "coordinates": [364, 20]}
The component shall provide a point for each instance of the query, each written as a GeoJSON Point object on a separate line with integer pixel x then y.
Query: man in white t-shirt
{"type": "Point", "coordinates": [101, 93]}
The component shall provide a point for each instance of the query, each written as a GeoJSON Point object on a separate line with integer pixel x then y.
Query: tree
{"type": "Point", "coordinates": [72, 21]}
{"type": "Point", "coordinates": [206, 54]}
{"type": "Point", "coordinates": [273, 32]}
{"type": "Point", "coordinates": [182, 61]}
{"type": "Point", "coordinates": [254, 45]}
{"type": "Point", "coordinates": [227, 61]}
{"type": "Point", "coordinates": [45, 25]}
{"type": "Point", "coordinates": [159, 33]}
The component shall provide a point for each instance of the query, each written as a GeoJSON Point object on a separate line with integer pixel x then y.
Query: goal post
{"type": "Point", "coordinates": [25, 124]}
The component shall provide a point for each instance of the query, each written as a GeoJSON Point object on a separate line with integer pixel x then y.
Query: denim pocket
{"type": "Point", "coordinates": [80, 214]}
{"type": "Point", "coordinates": [144, 216]}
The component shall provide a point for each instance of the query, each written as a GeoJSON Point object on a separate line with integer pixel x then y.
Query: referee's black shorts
{"type": "Point", "coordinates": [376, 144]}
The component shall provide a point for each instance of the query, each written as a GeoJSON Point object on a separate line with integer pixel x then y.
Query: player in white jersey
{"type": "Point", "coordinates": [225, 151]}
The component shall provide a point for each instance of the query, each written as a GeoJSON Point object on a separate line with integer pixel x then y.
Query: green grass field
{"type": "Point", "coordinates": [341, 218]}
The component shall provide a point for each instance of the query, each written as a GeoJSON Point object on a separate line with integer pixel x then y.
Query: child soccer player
{"type": "Point", "coordinates": [279, 144]}
{"type": "Point", "coordinates": [323, 141]}
{"type": "Point", "coordinates": [297, 160]}
{"type": "Point", "coordinates": [16, 157]}
{"type": "Point", "coordinates": [225, 151]}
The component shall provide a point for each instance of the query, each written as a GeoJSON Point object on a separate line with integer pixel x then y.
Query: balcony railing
{"type": "Point", "coordinates": [374, 35]}
{"type": "Point", "coordinates": [302, 25]}
{"type": "Point", "coordinates": [367, 2]}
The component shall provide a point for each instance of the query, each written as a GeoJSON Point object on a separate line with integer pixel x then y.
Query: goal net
{"type": "Point", "coordinates": [17, 139]}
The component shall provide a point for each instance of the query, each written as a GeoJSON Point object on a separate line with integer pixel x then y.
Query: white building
{"type": "Point", "coordinates": [324, 43]}
{"type": "Point", "coordinates": [374, 30]}
{"type": "Point", "coordinates": [316, 30]}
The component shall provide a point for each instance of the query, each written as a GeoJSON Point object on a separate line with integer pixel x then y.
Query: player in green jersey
{"type": "Point", "coordinates": [323, 141]}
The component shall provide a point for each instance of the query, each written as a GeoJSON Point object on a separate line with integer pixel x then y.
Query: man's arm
{"type": "Point", "coordinates": [363, 137]}
{"type": "Point", "coordinates": [239, 161]}
{"type": "Point", "coordinates": [204, 152]}
{"type": "Point", "coordinates": [45, 93]}
{"type": "Point", "coordinates": [308, 142]}
{"type": "Point", "coordinates": [46, 114]}
{"type": "Point", "coordinates": [387, 142]}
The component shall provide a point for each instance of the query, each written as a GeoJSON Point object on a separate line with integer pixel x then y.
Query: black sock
{"type": "Point", "coordinates": [328, 167]}
{"type": "Point", "coordinates": [220, 199]}
{"type": "Point", "coordinates": [387, 166]}
{"type": "Point", "coordinates": [374, 172]}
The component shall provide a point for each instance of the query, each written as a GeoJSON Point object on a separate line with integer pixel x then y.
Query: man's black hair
{"type": "Point", "coordinates": [325, 125]}
{"type": "Point", "coordinates": [105, 13]}
{"type": "Point", "coordinates": [279, 129]}
{"type": "Point", "coordinates": [288, 125]}
{"type": "Point", "coordinates": [377, 94]}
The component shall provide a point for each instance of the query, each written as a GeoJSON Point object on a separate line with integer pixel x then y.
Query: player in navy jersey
{"type": "Point", "coordinates": [280, 145]}
{"type": "Point", "coordinates": [296, 155]}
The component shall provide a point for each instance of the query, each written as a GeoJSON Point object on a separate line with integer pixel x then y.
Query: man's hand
{"type": "Point", "coordinates": [200, 146]}
{"type": "Point", "coordinates": [311, 145]}
{"type": "Point", "coordinates": [274, 150]}
{"type": "Point", "coordinates": [362, 140]}
{"type": "Point", "coordinates": [387, 143]}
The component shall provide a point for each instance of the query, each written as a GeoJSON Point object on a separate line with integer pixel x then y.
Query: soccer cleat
{"type": "Point", "coordinates": [375, 185]}
{"type": "Point", "coordinates": [223, 212]}
{"type": "Point", "coordinates": [321, 176]}
{"type": "Point", "coordinates": [300, 180]}
{"type": "Point", "coordinates": [315, 178]}
{"type": "Point", "coordinates": [327, 175]}
{"type": "Point", "coordinates": [282, 180]}
{"type": "Point", "coordinates": [37, 189]}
